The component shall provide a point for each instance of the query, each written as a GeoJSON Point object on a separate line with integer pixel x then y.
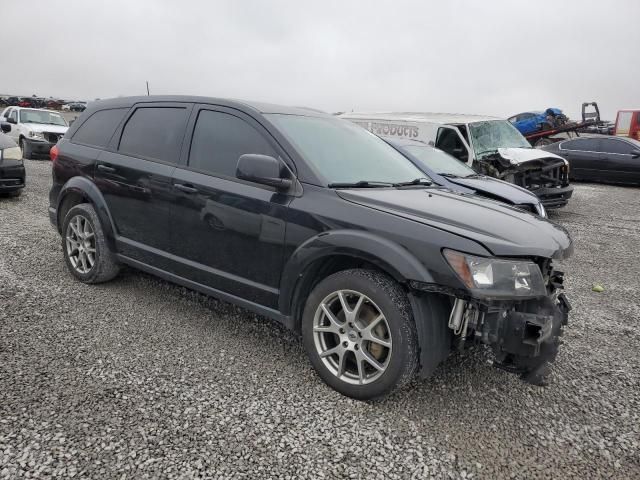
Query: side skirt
{"type": "Point", "coordinates": [286, 320]}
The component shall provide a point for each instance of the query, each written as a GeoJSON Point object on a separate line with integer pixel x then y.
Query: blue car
{"type": "Point", "coordinates": [532, 122]}
{"type": "Point", "coordinates": [449, 172]}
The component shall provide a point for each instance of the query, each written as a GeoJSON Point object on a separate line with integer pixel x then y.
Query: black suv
{"type": "Point", "coordinates": [314, 222]}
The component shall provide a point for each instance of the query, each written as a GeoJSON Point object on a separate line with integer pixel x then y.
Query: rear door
{"type": "Point", "coordinates": [585, 159]}
{"type": "Point", "coordinates": [134, 176]}
{"type": "Point", "coordinates": [228, 233]}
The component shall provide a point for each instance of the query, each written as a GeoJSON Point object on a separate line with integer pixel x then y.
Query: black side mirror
{"type": "Point", "coordinates": [635, 154]}
{"type": "Point", "coordinates": [12, 120]}
{"type": "Point", "coordinates": [262, 169]}
{"type": "Point", "coordinates": [6, 128]}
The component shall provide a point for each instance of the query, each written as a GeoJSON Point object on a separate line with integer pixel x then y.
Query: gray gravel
{"type": "Point", "coordinates": [139, 378]}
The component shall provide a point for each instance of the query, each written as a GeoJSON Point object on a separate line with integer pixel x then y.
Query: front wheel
{"type": "Point", "coordinates": [359, 333]}
{"type": "Point", "coordinates": [26, 149]}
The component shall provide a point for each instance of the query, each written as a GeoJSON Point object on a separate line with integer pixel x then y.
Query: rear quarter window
{"type": "Point", "coordinates": [98, 129]}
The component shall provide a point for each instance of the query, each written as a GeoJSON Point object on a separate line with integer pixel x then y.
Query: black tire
{"type": "Point", "coordinates": [386, 296]}
{"type": "Point", "coordinates": [27, 154]}
{"type": "Point", "coordinates": [105, 266]}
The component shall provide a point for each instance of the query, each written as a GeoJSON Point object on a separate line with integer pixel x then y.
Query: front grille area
{"type": "Point", "coordinates": [52, 137]}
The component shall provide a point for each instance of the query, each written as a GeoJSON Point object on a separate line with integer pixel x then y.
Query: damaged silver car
{"type": "Point", "coordinates": [491, 146]}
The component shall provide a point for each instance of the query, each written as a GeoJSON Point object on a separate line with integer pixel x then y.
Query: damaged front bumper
{"type": "Point", "coordinates": [524, 335]}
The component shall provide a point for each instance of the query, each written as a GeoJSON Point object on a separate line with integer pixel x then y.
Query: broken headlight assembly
{"type": "Point", "coordinates": [495, 278]}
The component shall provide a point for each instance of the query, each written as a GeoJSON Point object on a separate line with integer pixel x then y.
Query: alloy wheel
{"type": "Point", "coordinates": [352, 337]}
{"type": "Point", "coordinates": [81, 244]}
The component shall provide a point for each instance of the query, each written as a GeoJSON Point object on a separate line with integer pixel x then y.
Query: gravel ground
{"type": "Point", "coordinates": [139, 378]}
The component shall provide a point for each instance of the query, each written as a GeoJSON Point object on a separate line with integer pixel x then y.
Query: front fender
{"type": "Point", "coordinates": [86, 188]}
{"type": "Point", "coordinates": [389, 256]}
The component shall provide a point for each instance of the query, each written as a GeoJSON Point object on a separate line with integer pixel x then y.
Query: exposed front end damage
{"type": "Point", "coordinates": [544, 175]}
{"type": "Point", "coordinates": [524, 335]}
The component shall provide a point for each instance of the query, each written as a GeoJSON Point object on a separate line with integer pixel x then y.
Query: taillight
{"type": "Point", "coordinates": [53, 153]}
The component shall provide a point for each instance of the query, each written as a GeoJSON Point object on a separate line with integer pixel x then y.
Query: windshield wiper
{"type": "Point", "coordinates": [360, 184]}
{"type": "Point", "coordinates": [449, 175]}
{"type": "Point", "coordinates": [415, 181]}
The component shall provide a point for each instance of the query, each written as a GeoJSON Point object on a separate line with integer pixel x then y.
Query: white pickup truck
{"type": "Point", "coordinates": [35, 130]}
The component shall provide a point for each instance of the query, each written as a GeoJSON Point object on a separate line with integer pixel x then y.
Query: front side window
{"type": "Point", "coordinates": [155, 133]}
{"type": "Point", "coordinates": [440, 162]}
{"type": "Point", "coordinates": [488, 136]}
{"type": "Point", "coordinates": [99, 127]}
{"type": "Point", "coordinates": [219, 139]}
{"type": "Point", "coordinates": [343, 152]}
{"type": "Point", "coordinates": [41, 117]}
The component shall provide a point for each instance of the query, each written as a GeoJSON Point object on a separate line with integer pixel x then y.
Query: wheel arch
{"type": "Point", "coordinates": [82, 190]}
{"type": "Point", "coordinates": [331, 252]}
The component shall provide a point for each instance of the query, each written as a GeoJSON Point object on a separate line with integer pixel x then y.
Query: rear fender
{"type": "Point", "coordinates": [85, 187]}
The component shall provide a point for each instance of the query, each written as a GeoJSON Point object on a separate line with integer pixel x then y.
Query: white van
{"type": "Point", "coordinates": [490, 145]}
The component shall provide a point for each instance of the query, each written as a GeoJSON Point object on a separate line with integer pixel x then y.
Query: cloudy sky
{"type": "Point", "coordinates": [494, 57]}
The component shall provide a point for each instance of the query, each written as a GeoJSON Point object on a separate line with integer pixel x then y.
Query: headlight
{"type": "Point", "coordinates": [13, 153]}
{"type": "Point", "coordinates": [37, 135]}
{"type": "Point", "coordinates": [497, 278]}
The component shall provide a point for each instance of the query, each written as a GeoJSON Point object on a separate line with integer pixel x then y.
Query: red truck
{"type": "Point", "coordinates": [628, 124]}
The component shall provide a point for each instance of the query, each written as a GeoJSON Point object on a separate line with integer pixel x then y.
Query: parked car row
{"type": "Point", "coordinates": [37, 102]}
{"type": "Point", "coordinates": [385, 253]}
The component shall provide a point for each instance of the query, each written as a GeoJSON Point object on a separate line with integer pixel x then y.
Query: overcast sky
{"type": "Point", "coordinates": [494, 57]}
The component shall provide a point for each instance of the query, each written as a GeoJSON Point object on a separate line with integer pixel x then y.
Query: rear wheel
{"type": "Point", "coordinates": [359, 333]}
{"type": "Point", "coordinates": [85, 250]}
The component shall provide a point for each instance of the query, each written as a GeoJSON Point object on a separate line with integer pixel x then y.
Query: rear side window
{"type": "Point", "coordinates": [583, 145]}
{"type": "Point", "coordinates": [154, 132]}
{"type": "Point", "coordinates": [219, 139]}
{"type": "Point", "coordinates": [97, 130]}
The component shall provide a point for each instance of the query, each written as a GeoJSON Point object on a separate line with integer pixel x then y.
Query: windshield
{"type": "Point", "coordinates": [343, 152]}
{"type": "Point", "coordinates": [488, 136]}
{"type": "Point", "coordinates": [440, 162]}
{"type": "Point", "coordinates": [41, 116]}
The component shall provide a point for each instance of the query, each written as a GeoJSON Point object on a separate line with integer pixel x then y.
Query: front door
{"type": "Point", "coordinates": [227, 233]}
{"type": "Point", "coordinates": [619, 163]}
{"type": "Point", "coordinates": [449, 140]}
{"type": "Point", "coordinates": [134, 176]}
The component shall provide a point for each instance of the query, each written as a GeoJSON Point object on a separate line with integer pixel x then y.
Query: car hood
{"type": "Point", "coordinates": [503, 230]}
{"type": "Point", "coordinates": [39, 127]}
{"type": "Point", "coordinates": [518, 156]}
{"type": "Point", "coordinates": [499, 189]}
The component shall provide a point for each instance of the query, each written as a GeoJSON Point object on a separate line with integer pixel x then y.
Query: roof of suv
{"type": "Point", "coordinates": [443, 118]}
{"type": "Point", "coordinates": [257, 106]}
